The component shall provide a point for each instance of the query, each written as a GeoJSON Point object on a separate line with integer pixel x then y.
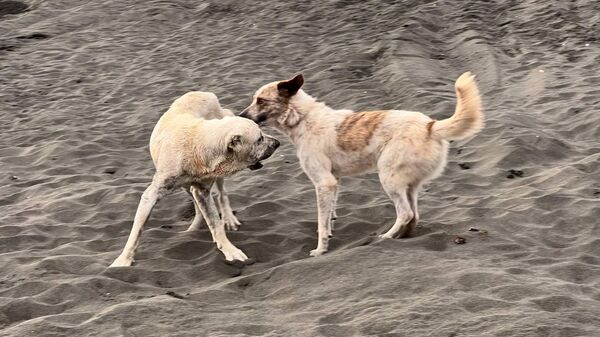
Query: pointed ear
{"type": "Point", "coordinates": [290, 87]}
{"type": "Point", "coordinates": [234, 143]}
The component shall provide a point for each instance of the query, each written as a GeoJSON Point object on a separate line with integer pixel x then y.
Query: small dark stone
{"type": "Point", "coordinates": [174, 294]}
{"type": "Point", "coordinates": [515, 173]}
{"type": "Point", "coordinates": [458, 151]}
{"type": "Point", "coordinates": [287, 162]}
{"type": "Point", "coordinates": [166, 226]}
{"type": "Point", "coordinates": [79, 80]}
{"type": "Point", "coordinates": [110, 170]}
{"type": "Point", "coordinates": [464, 166]}
{"type": "Point", "coordinates": [460, 240]}
{"type": "Point", "coordinates": [510, 176]}
{"type": "Point", "coordinates": [243, 283]}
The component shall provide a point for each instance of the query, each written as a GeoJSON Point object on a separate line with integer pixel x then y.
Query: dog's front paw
{"type": "Point", "coordinates": [318, 252]}
{"type": "Point", "coordinates": [233, 253]}
{"type": "Point", "coordinates": [122, 262]}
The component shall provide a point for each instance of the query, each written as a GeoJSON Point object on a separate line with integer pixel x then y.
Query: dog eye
{"type": "Point", "coordinates": [261, 139]}
{"type": "Point", "coordinates": [260, 101]}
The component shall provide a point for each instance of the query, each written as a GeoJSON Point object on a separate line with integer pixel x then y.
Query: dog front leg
{"type": "Point", "coordinates": [333, 215]}
{"type": "Point", "coordinates": [195, 225]}
{"type": "Point", "coordinates": [204, 199]}
{"type": "Point", "coordinates": [229, 219]}
{"type": "Point", "coordinates": [326, 191]}
{"type": "Point", "coordinates": [149, 198]}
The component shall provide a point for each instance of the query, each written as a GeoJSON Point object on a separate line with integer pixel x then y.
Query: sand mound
{"type": "Point", "coordinates": [84, 83]}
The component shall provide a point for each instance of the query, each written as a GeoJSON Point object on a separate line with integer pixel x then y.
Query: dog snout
{"type": "Point", "coordinates": [244, 114]}
{"type": "Point", "coordinates": [270, 149]}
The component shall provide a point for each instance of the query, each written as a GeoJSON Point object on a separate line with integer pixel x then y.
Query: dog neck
{"type": "Point", "coordinates": [297, 119]}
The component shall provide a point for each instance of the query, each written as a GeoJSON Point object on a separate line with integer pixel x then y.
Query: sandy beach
{"type": "Point", "coordinates": [82, 84]}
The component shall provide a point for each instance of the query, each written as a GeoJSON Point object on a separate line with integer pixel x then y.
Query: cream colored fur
{"type": "Point", "coordinates": [195, 144]}
{"type": "Point", "coordinates": [406, 148]}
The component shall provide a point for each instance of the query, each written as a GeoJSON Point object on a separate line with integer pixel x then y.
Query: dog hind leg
{"type": "Point", "coordinates": [413, 195]}
{"type": "Point", "coordinates": [149, 198]}
{"type": "Point", "coordinates": [397, 189]}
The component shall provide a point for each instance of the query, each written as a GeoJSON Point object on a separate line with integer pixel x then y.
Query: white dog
{"type": "Point", "coordinates": [407, 148]}
{"type": "Point", "coordinates": [195, 144]}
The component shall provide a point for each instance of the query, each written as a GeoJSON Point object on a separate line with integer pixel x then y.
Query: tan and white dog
{"type": "Point", "coordinates": [195, 144]}
{"type": "Point", "coordinates": [407, 148]}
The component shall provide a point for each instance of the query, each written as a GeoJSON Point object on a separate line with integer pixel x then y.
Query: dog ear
{"type": "Point", "coordinates": [234, 143]}
{"type": "Point", "coordinates": [290, 87]}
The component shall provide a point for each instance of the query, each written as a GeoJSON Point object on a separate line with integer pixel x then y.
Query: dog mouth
{"type": "Point", "coordinates": [261, 120]}
{"type": "Point", "coordinates": [255, 166]}
{"type": "Point", "coordinates": [274, 144]}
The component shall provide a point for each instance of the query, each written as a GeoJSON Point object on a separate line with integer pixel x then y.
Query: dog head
{"type": "Point", "coordinates": [240, 144]}
{"type": "Point", "coordinates": [271, 103]}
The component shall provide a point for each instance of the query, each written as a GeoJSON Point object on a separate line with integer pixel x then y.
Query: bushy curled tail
{"type": "Point", "coordinates": [468, 117]}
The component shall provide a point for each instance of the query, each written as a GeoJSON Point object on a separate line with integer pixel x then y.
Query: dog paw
{"type": "Point", "coordinates": [121, 262]}
{"type": "Point", "coordinates": [231, 222]}
{"type": "Point", "coordinates": [382, 237]}
{"type": "Point", "coordinates": [317, 252]}
{"type": "Point", "coordinates": [233, 253]}
{"type": "Point", "coordinates": [192, 228]}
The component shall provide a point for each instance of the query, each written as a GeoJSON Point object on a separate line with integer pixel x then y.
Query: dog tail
{"type": "Point", "coordinates": [468, 117]}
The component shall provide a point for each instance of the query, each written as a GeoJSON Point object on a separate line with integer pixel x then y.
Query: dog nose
{"type": "Point", "coordinates": [276, 143]}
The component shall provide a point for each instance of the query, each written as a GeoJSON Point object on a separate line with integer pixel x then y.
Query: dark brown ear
{"type": "Point", "coordinates": [290, 87]}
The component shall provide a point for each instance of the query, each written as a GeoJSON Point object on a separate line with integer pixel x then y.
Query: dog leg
{"type": "Point", "coordinates": [326, 189]}
{"type": "Point", "coordinates": [333, 214]}
{"type": "Point", "coordinates": [413, 195]}
{"type": "Point", "coordinates": [198, 214]}
{"type": "Point", "coordinates": [397, 189]}
{"type": "Point", "coordinates": [201, 193]}
{"type": "Point", "coordinates": [151, 195]}
{"type": "Point", "coordinates": [229, 219]}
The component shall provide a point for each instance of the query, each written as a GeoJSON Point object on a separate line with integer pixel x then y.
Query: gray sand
{"type": "Point", "coordinates": [82, 84]}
